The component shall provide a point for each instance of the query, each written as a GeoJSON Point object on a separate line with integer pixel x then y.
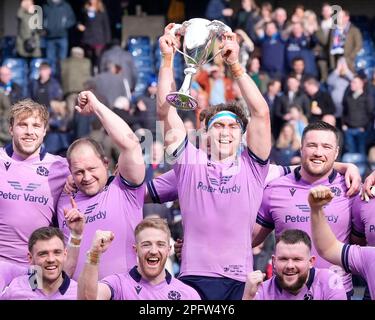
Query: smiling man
{"type": "Point", "coordinates": [295, 277]}
{"type": "Point", "coordinates": [149, 280]}
{"type": "Point", "coordinates": [217, 244]}
{"type": "Point", "coordinates": [32, 180]}
{"type": "Point", "coordinates": [284, 205]}
{"type": "Point", "coordinates": [48, 253]}
{"type": "Point", "coordinates": [113, 203]}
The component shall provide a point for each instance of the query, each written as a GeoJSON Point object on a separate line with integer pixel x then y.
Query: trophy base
{"type": "Point", "coordinates": [182, 101]}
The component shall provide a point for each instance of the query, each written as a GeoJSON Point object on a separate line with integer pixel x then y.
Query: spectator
{"type": "Point", "coordinates": [273, 91]}
{"type": "Point", "coordinates": [28, 39]}
{"type": "Point", "coordinates": [298, 69]}
{"type": "Point", "coordinates": [246, 47]}
{"type": "Point", "coordinates": [8, 87]}
{"type": "Point", "coordinates": [219, 10]}
{"type": "Point", "coordinates": [280, 17]}
{"type": "Point", "coordinates": [292, 96]}
{"type": "Point", "coordinates": [265, 16]}
{"type": "Point", "coordinates": [300, 45]}
{"type": "Point", "coordinates": [273, 51]}
{"type": "Point", "coordinates": [298, 14]}
{"type": "Point", "coordinates": [298, 119]}
{"type": "Point", "coordinates": [345, 40]}
{"type": "Point", "coordinates": [338, 81]}
{"type": "Point", "coordinates": [261, 79]}
{"type": "Point", "coordinates": [46, 88]}
{"type": "Point", "coordinates": [216, 84]}
{"type": "Point", "coordinates": [75, 71]}
{"type": "Point", "coordinates": [247, 17]}
{"type": "Point", "coordinates": [4, 127]}
{"type": "Point", "coordinates": [285, 152]}
{"type": "Point", "coordinates": [320, 102]}
{"type": "Point", "coordinates": [146, 108]}
{"type": "Point", "coordinates": [111, 84]}
{"type": "Point", "coordinates": [123, 58]}
{"type": "Point", "coordinates": [58, 17]}
{"type": "Point", "coordinates": [358, 114]}
{"type": "Point", "coordinates": [96, 29]}
{"type": "Point", "coordinates": [322, 36]}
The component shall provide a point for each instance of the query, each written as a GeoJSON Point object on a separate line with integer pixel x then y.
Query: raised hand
{"type": "Point", "coordinates": [75, 220]}
{"type": "Point", "coordinates": [229, 48]}
{"type": "Point", "coordinates": [87, 103]}
{"type": "Point", "coordinates": [168, 42]}
{"type": "Point", "coordinates": [319, 196]}
{"type": "Point", "coordinates": [102, 240]}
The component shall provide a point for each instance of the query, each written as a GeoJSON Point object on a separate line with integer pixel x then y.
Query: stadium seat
{"type": "Point", "coordinates": [8, 47]}
{"type": "Point", "coordinates": [34, 68]}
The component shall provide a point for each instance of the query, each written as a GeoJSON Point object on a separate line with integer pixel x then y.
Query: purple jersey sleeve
{"type": "Point", "coordinates": [163, 188]}
{"type": "Point", "coordinates": [264, 217]}
{"type": "Point", "coordinates": [275, 172]}
{"type": "Point", "coordinates": [135, 193]}
{"type": "Point", "coordinates": [9, 271]}
{"type": "Point", "coordinates": [358, 227]}
{"type": "Point", "coordinates": [114, 284]}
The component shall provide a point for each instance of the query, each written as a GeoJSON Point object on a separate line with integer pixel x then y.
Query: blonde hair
{"type": "Point", "coordinates": [155, 223]}
{"type": "Point", "coordinates": [282, 141]}
{"type": "Point", "coordinates": [27, 108]}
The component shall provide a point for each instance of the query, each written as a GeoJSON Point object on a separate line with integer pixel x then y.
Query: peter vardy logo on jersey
{"type": "Point", "coordinates": [218, 189]}
{"type": "Point", "coordinates": [223, 180]}
{"type": "Point", "coordinates": [174, 295]}
{"type": "Point", "coordinates": [28, 197]}
{"type": "Point", "coordinates": [305, 216]}
{"type": "Point", "coordinates": [42, 171]}
{"type": "Point", "coordinates": [100, 215]}
{"type": "Point", "coordinates": [7, 165]}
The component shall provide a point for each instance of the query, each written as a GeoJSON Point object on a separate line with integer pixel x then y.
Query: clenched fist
{"type": "Point", "coordinates": [319, 196]}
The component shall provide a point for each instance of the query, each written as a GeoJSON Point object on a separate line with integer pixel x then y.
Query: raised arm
{"type": "Point", "coordinates": [325, 241]}
{"type": "Point", "coordinates": [174, 130]}
{"type": "Point", "coordinates": [75, 220]}
{"type": "Point", "coordinates": [130, 164]}
{"type": "Point", "coordinates": [88, 286]}
{"type": "Point", "coordinates": [258, 136]}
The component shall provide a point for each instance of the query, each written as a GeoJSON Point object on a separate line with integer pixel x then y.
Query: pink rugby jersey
{"type": "Point", "coordinates": [9, 271]}
{"type": "Point", "coordinates": [285, 206]}
{"type": "Point", "coordinates": [219, 203]}
{"type": "Point", "coordinates": [322, 284]}
{"type": "Point", "coordinates": [20, 289]}
{"type": "Point", "coordinates": [361, 261]}
{"type": "Point", "coordinates": [118, 208]}
{"type": "Point", "coordinates": [29, 192]}
{"type": "Point", "coordinates": [364, 220]}
{"type": "Point", "coordinates": [131, 286]}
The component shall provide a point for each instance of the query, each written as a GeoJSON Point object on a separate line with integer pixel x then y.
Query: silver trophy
{"type": "Point", "coordinates": [199, 40]}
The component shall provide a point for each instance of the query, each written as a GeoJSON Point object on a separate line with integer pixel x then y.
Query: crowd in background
{"type": "Point", "coordinates": [304, 63]}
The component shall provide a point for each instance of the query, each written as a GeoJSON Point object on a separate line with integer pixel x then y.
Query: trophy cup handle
{"type": "Point", "coordinates": [219, 28]}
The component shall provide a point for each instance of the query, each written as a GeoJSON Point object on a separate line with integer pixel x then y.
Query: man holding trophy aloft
{"type": "Point", "coordinates": [219, 193]}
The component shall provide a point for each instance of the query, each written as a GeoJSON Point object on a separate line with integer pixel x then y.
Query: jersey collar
{"type": "Point", "coordinates": [137, 276]}
{"type": "Point", "coordinates": [9, 150]}
{"type": "Point", "coordinates": [297, 174]}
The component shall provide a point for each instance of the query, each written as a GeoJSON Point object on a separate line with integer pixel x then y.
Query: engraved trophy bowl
{"type": "Point", "coordinates": [199, 41]}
